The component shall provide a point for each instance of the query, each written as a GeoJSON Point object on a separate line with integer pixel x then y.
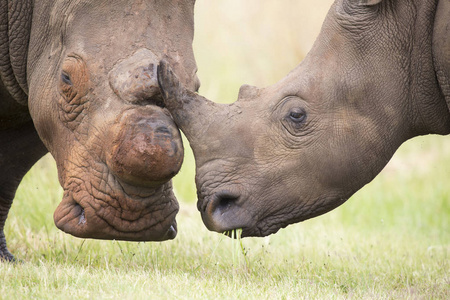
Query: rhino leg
{"type": "Point", "coordinates": [20, 149]}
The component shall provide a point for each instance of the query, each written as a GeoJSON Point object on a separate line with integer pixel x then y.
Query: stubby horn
{"type": "Point", "coordinates": [190, 111]}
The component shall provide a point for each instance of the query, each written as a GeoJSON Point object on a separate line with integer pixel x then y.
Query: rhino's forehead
{"type": "Point", "coordinates": [64, 9]}
{"type": "Point", "coordinates": [102, 22]}
{"type": "Point", "coordinates": [105, 32]}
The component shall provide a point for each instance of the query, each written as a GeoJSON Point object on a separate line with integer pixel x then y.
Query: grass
{"type": "Point", "coordinates": [389, 241]}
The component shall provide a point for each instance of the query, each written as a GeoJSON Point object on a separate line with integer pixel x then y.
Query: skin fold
{"type": "Point", "coordinates": [376, 76]}
{"type": "Point", "coordinates": [78, 79]}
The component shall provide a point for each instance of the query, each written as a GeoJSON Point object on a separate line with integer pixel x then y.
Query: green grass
{"type": "Point", "coordinates": [389, 241]}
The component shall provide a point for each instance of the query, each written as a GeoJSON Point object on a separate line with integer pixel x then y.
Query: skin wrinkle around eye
{"type": "Point", "coordinates": [291, 137]}
{"type": "Point", "coordinates": [311, 132]}
{"type": "Point", "coordinates": [74, 96]}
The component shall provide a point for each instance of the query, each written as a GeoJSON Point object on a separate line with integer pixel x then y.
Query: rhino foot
{"type": "Point", "coordinates": [5, 255]}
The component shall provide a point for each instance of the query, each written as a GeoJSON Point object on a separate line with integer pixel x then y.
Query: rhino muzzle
{"type": "Point", "coordinates": [221, 212]}
{"type": "Point", "coordinates": [145, 147]}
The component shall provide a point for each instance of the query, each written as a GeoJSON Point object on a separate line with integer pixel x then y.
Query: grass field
{"type": "Point", "coordinates": [389, 241]}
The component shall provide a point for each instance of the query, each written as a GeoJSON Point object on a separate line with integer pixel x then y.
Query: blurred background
{"type": "Point", "coordinates": [255, 42]}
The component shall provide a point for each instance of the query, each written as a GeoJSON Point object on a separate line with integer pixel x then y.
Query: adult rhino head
{"type": "Point", "coordinates": [95, 102]}
{"type": "Point", "coordinates": [377, 75]}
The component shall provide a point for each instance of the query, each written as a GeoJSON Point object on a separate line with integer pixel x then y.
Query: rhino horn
{"type": "Point", "coordinates": [190, 111]}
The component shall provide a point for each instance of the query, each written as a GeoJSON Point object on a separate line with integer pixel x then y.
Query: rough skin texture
{"type": "Point", "coordinates": [78, 79]}
{"type": "Point", "coordinates": [376, 76]}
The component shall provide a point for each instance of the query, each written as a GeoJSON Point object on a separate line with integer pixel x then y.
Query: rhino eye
{"type": "Point", "coordinates": [66, 78]}
{"type": "Point", "coordinates": [297, 115]}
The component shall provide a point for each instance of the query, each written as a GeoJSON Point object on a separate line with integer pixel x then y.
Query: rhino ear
{"type": "Point", "coordinates": [369, 2]}
{"type": "Point", "coordinates": [247, 91]}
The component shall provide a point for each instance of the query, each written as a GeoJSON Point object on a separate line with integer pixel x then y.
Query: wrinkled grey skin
{"type": "Point", "coordinates": [377, 75]}
{"type": "Point", "coordinates": [78, 79]}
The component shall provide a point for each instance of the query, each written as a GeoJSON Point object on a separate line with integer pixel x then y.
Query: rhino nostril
{"type": "Point", "coordinates": [224, 212]}
{"type": "Point", "coordinates": [223, 200]}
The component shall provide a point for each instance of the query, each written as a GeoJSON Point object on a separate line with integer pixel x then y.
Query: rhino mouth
{"type": "Point", "coordinates": [228, 216]}
{"type": "Point", "coordinates": [78, 212]}
{"type": "Point", "coordinates": [225, 213]}
{"type": "Point", "coordinates": [228, 208]}
{"type": "Point", "coordinates": [120, 213]}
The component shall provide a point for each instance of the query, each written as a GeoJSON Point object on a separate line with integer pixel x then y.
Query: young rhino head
{"type": "Point", "coordinates": [303, 146]}
{"type": "Point", "coordinates": [96, 104]}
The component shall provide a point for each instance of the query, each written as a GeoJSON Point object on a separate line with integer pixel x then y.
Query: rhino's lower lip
{"type": "Point", "coordinates": [77, 223]}
{"type": "Point", "coordinates": [77, 217]}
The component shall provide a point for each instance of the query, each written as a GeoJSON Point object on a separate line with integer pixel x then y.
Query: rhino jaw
{"type": "Point", "coordinates": [80, 215]}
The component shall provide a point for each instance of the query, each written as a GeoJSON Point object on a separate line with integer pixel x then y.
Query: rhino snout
{"type": "Point", "coordinates": [145, 147]}
{"type": "Point", "coordinates": [223, 212]}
